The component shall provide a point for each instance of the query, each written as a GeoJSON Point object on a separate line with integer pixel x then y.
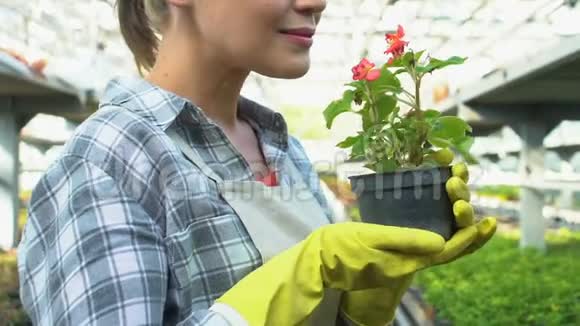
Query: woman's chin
{"type": "Point", "coordinates": [288, 71]}
{"type": "Point", "coordinates": [293, 74]}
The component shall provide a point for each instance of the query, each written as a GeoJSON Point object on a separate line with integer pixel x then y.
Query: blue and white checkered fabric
{"type": "Point", "coordinates": [124, 230]}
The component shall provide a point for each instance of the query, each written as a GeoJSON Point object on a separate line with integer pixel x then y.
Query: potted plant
{"type": "Point", "coordinates": [408, 147]}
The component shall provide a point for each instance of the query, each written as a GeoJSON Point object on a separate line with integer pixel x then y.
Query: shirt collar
{"type": "Point", "coordinates": [162, 107]}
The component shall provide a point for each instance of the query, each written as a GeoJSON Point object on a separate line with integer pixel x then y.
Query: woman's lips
{"type": "Point", "coordinates": [299, 36]}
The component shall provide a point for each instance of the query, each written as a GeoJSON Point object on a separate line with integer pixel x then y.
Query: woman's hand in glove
{"type": "Point", "coordinates": [377, 306]}
{"type": "Point", "coordinates": [345, 256]}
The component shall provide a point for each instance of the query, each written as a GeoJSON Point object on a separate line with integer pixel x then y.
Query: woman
{"type": "Point", "coordinates": [180, 202]}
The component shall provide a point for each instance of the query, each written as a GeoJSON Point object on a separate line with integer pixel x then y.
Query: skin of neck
{"type": "Point", "coordinates": [190, 69]}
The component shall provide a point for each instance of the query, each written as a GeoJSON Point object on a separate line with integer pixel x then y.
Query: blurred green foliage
{"type": "Point", "coordinates": [503, 285]}
{"type": "Point", "coordinates": [511, 193]}
{"type": "Point", "coordinates": [11, 312]}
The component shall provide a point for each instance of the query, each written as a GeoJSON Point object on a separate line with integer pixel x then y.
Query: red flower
{"type": "Point", "coordinates": [396, 42]}
{"type": "Point", "coordinates": [364, 70]}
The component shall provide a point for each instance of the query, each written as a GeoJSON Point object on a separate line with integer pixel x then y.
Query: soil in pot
{"type": "Point", "coordinates": [410, 198]}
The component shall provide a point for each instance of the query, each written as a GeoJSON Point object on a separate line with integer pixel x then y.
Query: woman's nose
{"type": "Point", "coordinates": [310, 6]}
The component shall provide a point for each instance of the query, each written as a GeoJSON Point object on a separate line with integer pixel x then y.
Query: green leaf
{"type": "Point", "coordinates": [387, 82]}
{"type": "Point", "coordinates": [408, 58]}
{"type": "Point", "coordinates": [449, 128]}
{"type": "Point", "coordinates": [435, 64]}
{"type": "Point", "coordinates": [349, 141]}
{"type": "Point", "coordinates": [402, 61]}
{"type": "Point", "coordinates": [384, 166]}
{"type": "Point", "coordinates": [400, 71]}
{"type": "Point", "coordinates": [338, 107]}
{"type": "Point", "coordinates": [385, 106]}
{"type": "Point", "coordinates": [357, 84]}
{"type": "Point", "coordinates": [366, 116]}
{"type": "Point", "coordinates": [394, 115]}
{"type": "Point", "coordinates": [439, 142]}
{"type": "Point", "coordinates": [357, 145]}
{"type": "Point", "coordinates": [359, 90]}
{"type": "Point", "coordinates": [396, 63]}
{"type": "Point", "coordinates": [463, 146]}
{"type": "Point", "coordinates": [418, 55]}
{"type": "Point", "coordinates": [393, 138]}
{"type": "Point", "coordinates": [348, 96]}
{"type": "Point", "coordinates": [358, 148]}
{"type": "Point", "coordinates": [431, 114]}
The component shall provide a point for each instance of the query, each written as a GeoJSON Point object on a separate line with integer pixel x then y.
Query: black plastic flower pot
{"type": "Point", "coordinates": [410, 198]}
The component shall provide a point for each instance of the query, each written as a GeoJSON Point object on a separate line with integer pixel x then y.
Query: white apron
{"type": "Point", "coordinates": [276, 218]}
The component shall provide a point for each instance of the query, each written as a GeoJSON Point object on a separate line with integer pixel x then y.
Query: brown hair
{"type": "Point", "coordinates": [141, 22]}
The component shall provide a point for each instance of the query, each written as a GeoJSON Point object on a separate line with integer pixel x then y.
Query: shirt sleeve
{"type": "Point", "coordinates": [91, 255]}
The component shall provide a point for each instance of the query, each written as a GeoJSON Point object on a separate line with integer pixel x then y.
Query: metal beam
{"type": "Point", "coordinates": [55, 104]}
{"type": "Point", "coordinates": [16, 79]}
{"type": "Point", "coordinates": [486, 119]}
{"type": "Point", "coordinates": [518, 20]}
{"type": "Point", "coordinates": [556, 113]}
{"type": "Point", "coordinates": [529, 68]}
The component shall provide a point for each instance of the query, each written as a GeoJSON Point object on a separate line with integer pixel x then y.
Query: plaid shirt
{"type": "Point", "coordinates": [123, 230]}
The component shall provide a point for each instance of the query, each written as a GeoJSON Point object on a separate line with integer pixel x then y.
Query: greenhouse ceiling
{"type": "Point", "coordinates": [83, 45]}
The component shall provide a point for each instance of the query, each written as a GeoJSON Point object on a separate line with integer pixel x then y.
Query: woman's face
{"type": "Point", "coordinates": [270, 37]}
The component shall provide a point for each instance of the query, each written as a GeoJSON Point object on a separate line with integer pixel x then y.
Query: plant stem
{"type": "Point", "coordinates": [407, 102]}
{"type": "Point", "coordinates": [395, 90]}
{"type": "Point", "coordinates": [410, 96]}
{"type": "Point", "coordinates": [374, 114]}
{"type": "Point", "coordinates": [409, 93]}
{"type": "Point", "coordinates": [416, 156]}
{"type": "Point", "coordinates": [417, 81]}
{"type": "Point", "coordinates": [418, 93]}
{"type": "Point", "coordinates": [422, 133]}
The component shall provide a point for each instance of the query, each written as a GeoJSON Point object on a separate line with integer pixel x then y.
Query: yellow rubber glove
{"type": "Point", "coordinates": [377, 306]}
{"type": "Point", "coordinates": [345, 256]}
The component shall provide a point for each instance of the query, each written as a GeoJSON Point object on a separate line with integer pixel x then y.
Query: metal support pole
{"type": "Point", "coordinates": [531, 171]}
{"type": "Point", "coordinates": [566, 199]}
{"type": "Point", "coordinates": [8, 179]}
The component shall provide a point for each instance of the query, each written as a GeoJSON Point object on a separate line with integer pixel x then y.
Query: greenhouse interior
{"type": "Point", "coordinates": [508, 70]}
